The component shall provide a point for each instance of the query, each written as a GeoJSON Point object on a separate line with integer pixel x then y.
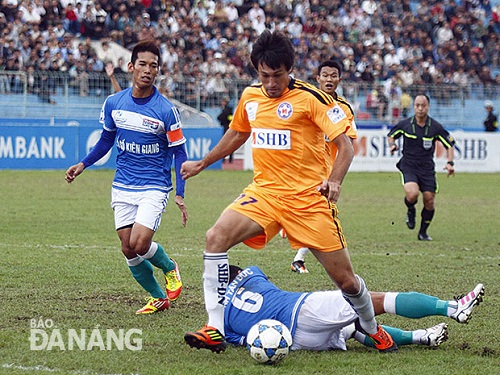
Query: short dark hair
{"type": "Point", "coordinates": [330, 64]}
{"type": "Point", "coordinates": [145, 46]}
{"type": "Point", "coordinates": [273, 49]}
{"type": "Point", "coordinates": [233, 272]}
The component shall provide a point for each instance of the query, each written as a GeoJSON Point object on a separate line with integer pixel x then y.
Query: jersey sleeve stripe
{"type": "Point", "coordinates": [345, 102]}
{"type": "Point", "coordinates": [322, 96]}
{"type": "Point", "coordinates": [445, 141]}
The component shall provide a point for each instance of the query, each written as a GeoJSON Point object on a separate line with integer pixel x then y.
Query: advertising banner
{"type": "Point", "coordinates": [474, 152]}
{"type": "Point", "coordinates": [41, 144]}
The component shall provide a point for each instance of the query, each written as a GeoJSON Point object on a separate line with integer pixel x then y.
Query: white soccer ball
{"type": "Point", "coordinates": [269, 341]}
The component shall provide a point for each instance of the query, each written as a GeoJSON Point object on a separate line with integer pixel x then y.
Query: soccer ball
{"type": "Point", "coordinates": [269, 341]}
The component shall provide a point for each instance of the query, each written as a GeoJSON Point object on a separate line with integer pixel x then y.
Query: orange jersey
{"type": "Point", "coordinates": [331, 148]}
{"type": "Point", "coordinates": [287, 135]}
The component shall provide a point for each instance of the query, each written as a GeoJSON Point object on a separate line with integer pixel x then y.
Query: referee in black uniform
{"type": "Point", "coordinates": [417, 167]}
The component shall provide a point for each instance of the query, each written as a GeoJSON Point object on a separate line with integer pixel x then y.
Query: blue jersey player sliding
{"type": "Point", "coordinates": [146, 129]}
{"type": "Point", "coordinates": [324, 320]}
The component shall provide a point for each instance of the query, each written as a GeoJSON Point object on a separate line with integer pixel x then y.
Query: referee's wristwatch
{"type": "Point", "coordinates": [451, 163]}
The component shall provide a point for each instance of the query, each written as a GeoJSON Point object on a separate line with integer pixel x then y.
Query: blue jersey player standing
{"type": "Point", "coordinates": [146, 129]}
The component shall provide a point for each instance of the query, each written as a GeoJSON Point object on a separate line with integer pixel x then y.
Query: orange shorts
{"type": "Point", "coordinates": [309, 220]}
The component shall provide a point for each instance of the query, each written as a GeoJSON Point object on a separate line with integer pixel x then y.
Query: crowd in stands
{"type": "Point", "coordinates": [400, 43]}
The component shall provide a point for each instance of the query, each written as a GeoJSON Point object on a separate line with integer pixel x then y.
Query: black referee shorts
{"type": "Point", "coordinates": [424, 177]}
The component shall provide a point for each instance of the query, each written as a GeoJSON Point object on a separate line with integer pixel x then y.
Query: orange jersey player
{"type": "Point", "coordinates": [286, 120]}
{"type": "Point", "coordinates": [329, 77]}
{"type": "Point", "coordinates": [287, 135]}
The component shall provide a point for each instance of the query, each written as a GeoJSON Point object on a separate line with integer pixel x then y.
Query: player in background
{"type": "Point", "coordinates": [286, 120]}
{"type": "Point", "coordinates": [420, 134]}
{"type": "Point", "coordinates": [329, 77]}
{"type": "Point", "coordinates": [147, 131]}
{"type": "Point", "coordinates": [325, 321]}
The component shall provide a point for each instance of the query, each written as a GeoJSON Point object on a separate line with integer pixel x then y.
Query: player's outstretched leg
{"type": "Point", "coordinates": [418, 305]}
{"type": "Point", "coordinates": [434, 336]}
{"type": "Point", "coordinates": [431, 337]}
{"type": "Point", "coordinates": [467, 303]}
{"type": "Point", "coordinates": [381, 339]}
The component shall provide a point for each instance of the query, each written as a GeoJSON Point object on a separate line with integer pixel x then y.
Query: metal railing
{"type": "Point", "coordinates": [57, 94]}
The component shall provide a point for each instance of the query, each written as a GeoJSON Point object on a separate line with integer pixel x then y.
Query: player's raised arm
{"type": "Point", "coordinates": [229, 143]}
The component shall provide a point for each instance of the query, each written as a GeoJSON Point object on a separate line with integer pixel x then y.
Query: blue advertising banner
{"type": "Point", "coordinates": [57, 144]}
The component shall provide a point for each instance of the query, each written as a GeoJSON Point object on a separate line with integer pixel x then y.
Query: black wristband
{"type": "Point", "coordinates": [451, 163]}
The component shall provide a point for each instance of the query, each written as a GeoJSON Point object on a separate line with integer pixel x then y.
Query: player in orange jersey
{"type": "Point", "coordinates": [329, 77]}
{"type": "Point", "coordinates": [286, 120]}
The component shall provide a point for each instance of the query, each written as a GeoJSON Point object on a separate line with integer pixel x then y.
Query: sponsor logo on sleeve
{"type": "Point", "coordinates": [336, 114]}
{"type": "Point", "coordinates": [251, 109]}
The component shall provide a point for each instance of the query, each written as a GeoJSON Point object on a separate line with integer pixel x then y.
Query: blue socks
{"type": "Point", "coordinates": [417, 305]}
{"type": "Point", "coordinates": [399, 336]}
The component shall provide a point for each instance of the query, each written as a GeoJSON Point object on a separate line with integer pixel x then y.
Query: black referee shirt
{"type": "Point", "coordinates": [419, 142]}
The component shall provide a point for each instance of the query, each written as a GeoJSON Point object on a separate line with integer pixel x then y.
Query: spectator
{"type": "Point", "coordinates": [491, 122]}
{"type": "Point", "coordinates": [43, 85]}
{"type": "Point", "coordinates": [255, 12]}
{"type": "Point", "coordinates": [220, 15]}
{"type": "Point", "coordinates": [225, 118]}
{"type": "Point", "coordinates": [29, 14]}
{"type": "Point", "coordinates": [231, 12]}
{"type": "Point", "coordinates": [391, 58]}
{"type": "Point", "coordinates": [295, 28]}
{"type": "Point", "coordinates": [200, 11]}
{"type": "Point", "coordinates": [219, 64]}
{"type": "Point", "coordinates": [216, 89]}
{"type": "Point", "coordinates": [369, 7]}
{"type": "Point", "coordinates": [80, 78]}
{"type": "Point", "coordinates": [258, 24]}
{"type": "Point", "coordinates": [106, 54]}
{"type": "Point", "coordinates": [444, 34]}
{"type": "Point", "coordinates": [406, 101]}
{"type": "Point", "coordinates": [282, 9]}
{"type": "Point", "coordinates": [129, 37]}
{"type": "Point", "coordinates": [471, 53]}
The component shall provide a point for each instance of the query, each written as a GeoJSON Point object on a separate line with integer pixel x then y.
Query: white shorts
{"type": "Point", "coordinates": [144, 207]}
{"type": "Point", "coordinates": [321, 322]}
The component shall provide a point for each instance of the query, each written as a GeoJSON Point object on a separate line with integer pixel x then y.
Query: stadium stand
{"type": "Point", "coordinates": [53, 53]}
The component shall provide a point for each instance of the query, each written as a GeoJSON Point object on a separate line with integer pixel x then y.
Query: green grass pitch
{"type": "Point", "coordinates": [61, 263]}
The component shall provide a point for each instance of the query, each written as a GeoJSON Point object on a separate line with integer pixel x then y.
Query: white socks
{"type": "Point", "coordinates": [215, 281]}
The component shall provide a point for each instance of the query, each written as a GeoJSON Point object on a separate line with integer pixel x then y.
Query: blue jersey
{"type": "Point", "coordinates": [251, 297]}
{"type": "Point", "coordinates": [147, 130]}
